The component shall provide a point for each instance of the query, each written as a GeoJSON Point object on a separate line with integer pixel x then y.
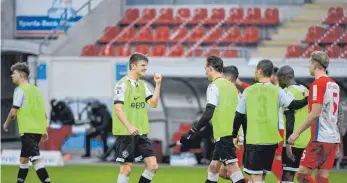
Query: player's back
{"type": "Point", "coordinates": [325, 91]}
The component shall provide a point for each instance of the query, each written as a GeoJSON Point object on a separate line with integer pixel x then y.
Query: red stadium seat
{"type": "Point", "coordinates": [230, 53]}
{"type": "Point", "coordinates": [233, 35]}
{"type": "Point", "coordinates": [131, 15]}
{"type": "Point", "coordinates": [185, 127]}
{"type": "Point", "coordinates": [165, 16]}
{"type": "Point", "coordinates": [162, 34]}
{"type": "Point", "coordinates": [250, 35]}
{"type": "Point", "coordinates": [178, 33]}
{"type": "Point", "coordinates": [211, 52]}
{"type": "Point", "coordinates": [106, 50]}
{"type": "Point", "coordinates": [147, 15]}
{"type": "Point", "coordinates": [332, 34]}
{"type": "Point", "coordinates": [142, 48]}
{"type": "Point", "coordinates": [197, 52]}
{"type": "Point", "coordinates": [176, 51]}
{"type": "Point", "coordinates": [124, 51]}
{"type": "Point", "coordinates": [310, 49]}
{"type": "Point", "coordinates": [335, 14]}
{"type": "Point", "coordinates": [235, 16]}
{"type": "Point", "coordinates": [109, 34]}
{"type": "Point", "coordinates": [343, 38]}
{"type": "Point", "coordinates": [158, 50]}
{"type": "Point", "coordinates": [183, 14]}
{"type": "Point", "coordinates": [314, 33]}
{"type": "Point", "coordinates": [127, 34]}
{"type": "Point", "coordinates": [90, 50]}
{"type": "Point", "coordinates": [200, 14]}
{"type": "Point", "coordinates": [253, 16]}
{"type": "Point", "coordinates": [214, 36]}
{"type": "Point", "coordinates": [197, 33]}
{"type": "Point", "coordinates": [144, 34]}
{"type": "Point", "coordinates": [271, 17]}
{"type": "Point", "coordinates": [344, 52]}
{"type": "Point", "coordinates": [333, 51]}
{"type": "Point", "coordinates": [294, 51]}
{"type": "Point", "coordinates": [218, 15]}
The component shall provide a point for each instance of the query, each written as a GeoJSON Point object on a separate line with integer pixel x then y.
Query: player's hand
{"type": "Point", "coordinates": [5, 126]}
{"type": "Point", "coordinates": [289, 152]}
{"type": "Point", "coordinates": [157, 78]}
{"type": "Point", "coordinates": [292, 138]}
{"type": "Point", "coordinates": [236, 142]}
{"type": "Point", "coordinates": [45, 137]}
{"type": "Point", "coordinates": [187, 137]}
{"type": "Point", "coordinates": [133, 131]}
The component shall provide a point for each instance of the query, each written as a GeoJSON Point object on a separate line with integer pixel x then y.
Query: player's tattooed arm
{"type": "Point", "coordinates": [340, 118]}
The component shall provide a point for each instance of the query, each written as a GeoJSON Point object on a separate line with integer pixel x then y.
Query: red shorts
{"type": "Point", "coordinates": [280, 145]}
{"type": "Point", "coordinates": [239, 155]}
{"type": "Point", "coordinates": [319, 155]}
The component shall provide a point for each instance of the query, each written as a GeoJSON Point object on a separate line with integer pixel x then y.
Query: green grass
{"type": "Point", "coordinates": [108, 174]}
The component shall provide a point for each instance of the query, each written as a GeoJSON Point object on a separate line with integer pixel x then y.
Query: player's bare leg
{"type": "Point", "coordinates": [234, 173]}
{"type": "Point", "coordinates": [213, 170]}
{"type": "Point", "coordinates": [23, 169]}
{"type": "Point", "coordinates": [288, 176]}
{"type": "Point", "coordinates": [124, 173]}
{"type": "Point", "coordinates": [322, 175]}
{"type": "Point", "coordinates": [151, 168]}
{"type": "Point", "coordinates": [304, 175]}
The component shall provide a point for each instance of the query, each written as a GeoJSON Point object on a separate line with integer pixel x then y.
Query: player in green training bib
{"type": "Point", "coordinates": [29, 108]}
{"type": "Point", "coordinates": [222, 99]}
{"type": "Point", "coordinates": [260, 104]}
{"type": "Point", "coordinates": [291, 155]}
{"type": "Point", "coordinates": [130, 119]}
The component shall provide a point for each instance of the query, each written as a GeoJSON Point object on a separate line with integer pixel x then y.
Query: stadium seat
{"type": "Point", "coordinates": [126, 34]}
{"type": "Point", "coordinates": [109, 34]}
{"type": "Point", "coordinates": [176, 51]}
{"type": "Point", "coordinates": [162, 34]}
{"type": "Point", "coordinates": [335, 14]}
{"type": "Point", "coordinates": [294, 51]}
{"type": "Point", "coordinates": [147, 15]}
{"type": "Point", "coordinates": [218, 15]}
{"type": "Point", "coordinates": [144, 34]}
{"type": "Point", "coordinates": [210, 52]}
{"type": "Point", "coordinates": [182, 15]}
{"type": "Point", "coordinates": [200, 14]}
{"type": "Point", "coordinates": [106, 50]}
{"type": "Point", "coordinates": [142, 48]}
{"type": "Point", "coordinates": [271, 17]}
{"type": "Point", "coordinates": [158, 50]}
{"type": "Point", "coordinates": [124, 51]}
{"type": "Point", "coordinates": [314, 33]}
{"type": "Point", "coordinates": [178, 33]}
{"type": "Point", "coordinates": [235, 16]}
{"type": "Point", "coordinates": [90, 50]}
{"type": "Point", "coordinates": [233, 35]}
{"type": "Point", "coordinates": [175, 138]}
{"type": "Point", "coordinates": [214, 36]}
{"type": "Point", "coordinates": [253, 16]}
{"type": "Point", "coordinates": [250, 35]}
{"type": "Point", "coordinates": [131, 15]}
{"type": "Point", "coordinates": [332, 51]}
{"type": "Point", "coordinates": [197, 33]}
{"type": "Point", "coordinates": [343, 38]}
{"type": "Point", "coordinates": [165, 16]}
{"type": "Point", "coordinates": [332, 34]}
{"type": "Point", "coordinates": [185, 127]}
{"type": "Point", "coordinates": [230, 53]}
{"type": "Point", "coordinates": [310, 49]}
{"type": "Point", "coordinates": [197, 52]}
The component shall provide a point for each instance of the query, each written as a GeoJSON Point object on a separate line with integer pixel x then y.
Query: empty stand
{"type": "Point", "coordinates": [294, 51]}
{"type": "Point", "coordinates": [131, 14]}
{"type": "Point", "coordinates": [333, 51]}
{"type": "Point", "coordinates": [106, 50]}
{"type": "Point", "coordinates": [218, 14]}
{"type": "Point", "coordinates": [310, 49]}
{"type": "Point", "coordinates": [142, 48]}
{"type": "Point", "coordinates": [124, 51]}
{"type": "Point", "coordinates": [314, 34]}
{"type": "Point", "coordinates": [200, 14]}
{"type": "Point", "coordinates": [183, 14]}
{"type": "Point", "coordinates": [159, 50]}
{"type": "Point", "coordinates": [235, 16]}
{"type": "Point", "coordinates": [332, 34]}
{"type": "Point", "coordinates": [109, 34]}
{"type": "Point", "coordinates": [162, 34]}
{"type": "Point", "coordinates": [147, 15]}
{"type": "Point", "coordinates": [165, 16]}
{"type": "Point", "coordinates": [145, 34]}
{"type": "Point", "coordinates": [90, 50]}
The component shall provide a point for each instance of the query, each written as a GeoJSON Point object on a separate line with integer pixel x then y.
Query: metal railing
{"type": "Point", "coordinates": [64, 24]}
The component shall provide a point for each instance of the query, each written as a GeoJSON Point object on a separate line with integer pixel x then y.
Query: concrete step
{"type": "Point", "coordinates": [308, 18]}
{"type": "Point", "coordinates": [324, 6]}
{"type": "Point", "coordinates": [295, 37]}
{"type": "Point", "coordinates": [280, 42]}
{"type": "Point", "coordinates": [301, 24]}
{"type": "Point", "coordinates": [272, 49]}
{"type": "Point", "coordinates": [287, 30]}
{"type": "Point", "coordinates": [269, 54]}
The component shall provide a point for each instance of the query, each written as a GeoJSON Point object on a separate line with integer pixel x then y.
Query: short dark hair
{"type": "Point", "coordinates": [286, 71]}
{"type": "Point", "coordinates": [134, 58]}
{"type": "Point", "coordinates": [266, 67]}
{"type": "Point", "coordinates": [215, 62]}
{"type": "Point", "coordinates": [231, 71]}
{"type": "Point", "coordinates": [275, 70]}
{"type": "Point", "coordinates": [21, 67]}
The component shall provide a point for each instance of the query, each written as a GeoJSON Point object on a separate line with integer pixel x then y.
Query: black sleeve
{"type": "Point", "coordinates": [240, 119]}
{"type": "Point", "coordinates": [105, 120]}
{"type": "Point", "coordinates": [68, 117]}
{"type": "Point", "coordinates": [205, 118]}
{"type": "Point", "coordinates": [297, 104]}
{"type": "Point", "coordinates": [290, 119]}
